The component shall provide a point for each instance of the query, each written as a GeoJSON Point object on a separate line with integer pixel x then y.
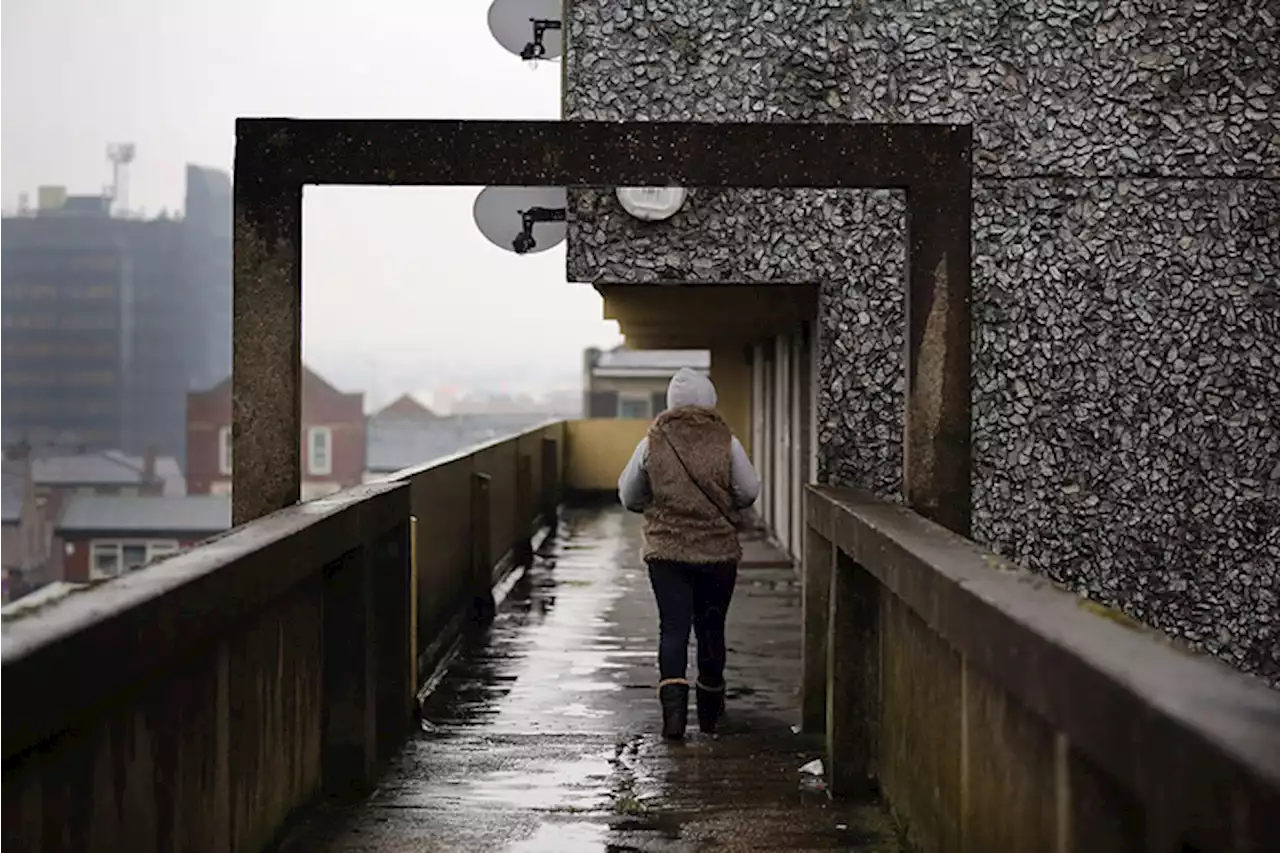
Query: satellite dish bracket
{"type": "Point", "coordinates": [536, 49]}
{"type": "Point", "coordinates": [528, 218]}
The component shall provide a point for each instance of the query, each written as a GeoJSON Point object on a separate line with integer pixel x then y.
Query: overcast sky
{"type": "Point", "coordinates": [400, 290]}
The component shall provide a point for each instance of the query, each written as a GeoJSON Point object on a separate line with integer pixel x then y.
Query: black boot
{"type": "Point", "coordinates": [674, 696]}
{"type": "Point", "coordinates": [710, 707]}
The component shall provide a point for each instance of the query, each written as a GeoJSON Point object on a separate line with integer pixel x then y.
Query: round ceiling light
{"type": "Point", "coordinates": [651, 203]}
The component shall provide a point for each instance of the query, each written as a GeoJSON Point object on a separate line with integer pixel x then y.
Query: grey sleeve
{"type": "Point", "coordinates": [633, 483]}
{"type": "Point", "coordinates": [745, 482]}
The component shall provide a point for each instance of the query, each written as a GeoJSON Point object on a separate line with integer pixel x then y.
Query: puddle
{"type": "Point", "coordinates": [555, 786]}
{"type": "Point", "coordinates": [564, 838]}
{"type": "Point", "coordinates": [581, 711]}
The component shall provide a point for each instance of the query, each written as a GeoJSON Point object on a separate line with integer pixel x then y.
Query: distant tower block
{"type": "Point", "coordinates": [120, 154]}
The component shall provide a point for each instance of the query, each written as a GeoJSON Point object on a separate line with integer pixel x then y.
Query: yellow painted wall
{"type": "Point", "coordinates": [732, 375]}
{"type": "Point", "coordinates": [597, 450]}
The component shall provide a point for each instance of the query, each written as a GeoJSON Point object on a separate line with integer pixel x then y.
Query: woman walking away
{"type": "Point", "coordinates": [690, 477]}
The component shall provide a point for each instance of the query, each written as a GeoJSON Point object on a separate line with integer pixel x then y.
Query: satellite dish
{"type": "Point", "coordinates": [531, 29]}
{"type": "Point", "coordinates": [521, 219]}
{"type": "Point", "coordinates": [651, 204]}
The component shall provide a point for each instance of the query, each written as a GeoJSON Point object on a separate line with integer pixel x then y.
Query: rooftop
{"type": "Point", "coordinates": [393, 444]}
{"type": "Point", "coordinates": [405, 406]}
{"type": "Point", "coordinates": [104, 468]}
{"type": "Point", "coordinates": [622, 361]}
{"type": "Point", "coordinates": [12, 493]}
{"type": "Point", "coordinates": [149, 513]}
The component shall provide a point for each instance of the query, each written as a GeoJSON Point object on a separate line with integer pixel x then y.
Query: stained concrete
{"type": "Point", "coordinates": [543, 735]}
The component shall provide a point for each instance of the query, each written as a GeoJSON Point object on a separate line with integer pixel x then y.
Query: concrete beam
{"type": "Point", "coordinates": [659, 338]}
{"type": "Point", "coordinates": [275, 157]}
{"type": "Point", "coordinates": [657, 304]}
{"type": "Point", "coordinates": [707, 316]}
{"type": "Point", "coordinates": [450, 152]}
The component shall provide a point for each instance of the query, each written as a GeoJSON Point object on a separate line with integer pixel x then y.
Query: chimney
{"type": "Point", "coordinates": [36, 531]}
{"type": "Point", "coordinates": [149, 464]}
{"type": "Point", "coordinates": [19, 451]}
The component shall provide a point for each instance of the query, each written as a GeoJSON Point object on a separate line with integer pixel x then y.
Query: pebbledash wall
{"type": "Point", "coordinates": [1126, 253]}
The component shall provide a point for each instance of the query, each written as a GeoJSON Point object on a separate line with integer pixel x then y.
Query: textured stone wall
{"type": "Point", "coordinates": [1126, 259]}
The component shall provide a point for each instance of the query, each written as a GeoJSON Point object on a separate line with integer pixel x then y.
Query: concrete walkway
{"type": "Point", "coordinates": [543, 735]}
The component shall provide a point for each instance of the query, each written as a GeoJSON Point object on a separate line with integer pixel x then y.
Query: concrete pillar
{"type": "Point", "coordinates": [731, 373]}
{"type": "Point", "coordinates": [816, 585]}
{"type": "Point", "coordinates": [396, 650]}
{"type": "Point", "coordinates": [415, 605]}
{"type": "Point", "coordinates": [853, 679]}
{"type": "Point", "coordinates": [266, 374]}
{"type": "Point", "coordinates": [756, 440]}
{"type": "Point", "coordinates": [526, 507]}
{"type": "Point", "coordinates": [482, 561]}
{"type": "Point", "coordinates": [350, 675]}
{"type": "Point", "coordinates": [550, 469]}
{"type": "Point", "coordinates": [936, 447]}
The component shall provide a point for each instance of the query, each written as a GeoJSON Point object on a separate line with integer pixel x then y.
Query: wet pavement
{"type": "Point", "coordinates": [543, 735]}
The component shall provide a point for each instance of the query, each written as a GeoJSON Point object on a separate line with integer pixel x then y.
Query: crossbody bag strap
{"type": "Point", "coordinates": [694, 479]}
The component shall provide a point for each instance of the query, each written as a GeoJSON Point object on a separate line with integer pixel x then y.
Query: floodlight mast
{"type": "Point", "coordinates": [536, 49]}
{"type": "Point", "coordinates": [524, 241]}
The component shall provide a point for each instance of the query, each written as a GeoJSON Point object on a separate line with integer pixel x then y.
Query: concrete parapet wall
{"type": "Point", "coordinates": [199, 703]}
{"type": "Point", "coordinates": [476, 512]}
{"type": "Point", "coordinates": [997, 712]}
{"type": "Point", "coordinates": [475, 515]}
{"type": "Point", "coordinates": [196, 704]}
{"type": "Point", "coordinates": [1126, 254]}
{"type": "Point", "coordinates": [598, 450]}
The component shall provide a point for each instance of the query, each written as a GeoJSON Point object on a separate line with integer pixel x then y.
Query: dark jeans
{"type": "Point", "coordinates": [697, 596]}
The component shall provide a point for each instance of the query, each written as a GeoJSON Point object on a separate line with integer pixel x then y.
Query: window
{"type": "Point", "coordinates": [633, 407]}
{"type": "Point", "coordinates": [104, 560]}
{"type": "Point", "coordinates": [133, 554]}
{"type": "Point", "coordinates": [92, 377]}
{"type": "Point", "coordinates": [224, 450]}
{"type": "Point", "coordinates": [97, 291]}
{"type": "Point", "coordinates": [319, 450]}
{"type": "Point", "coordinates": [88, 322]}
{"type": "Point", "coordinates": [162, 549]}
{"type": "Point", "coordinates": [107, 558]}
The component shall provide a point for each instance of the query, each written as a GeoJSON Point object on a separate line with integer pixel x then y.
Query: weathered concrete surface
{"type": "Point", "coordinates": [1000, 713]}
{"type": "Point", "coordinates": [543, 737]}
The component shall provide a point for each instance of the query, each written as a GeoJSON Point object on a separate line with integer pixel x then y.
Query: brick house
{"type": "Point", "coordinates": [333, 438]}
{"type": "Point", "coordinates": [38, 483]}
{"type": "Point", "coordinates": [627, 383]}
{"type": "Point", "coordinates": [102, 536]}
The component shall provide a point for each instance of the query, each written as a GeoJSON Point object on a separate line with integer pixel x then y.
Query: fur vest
{"type": "Point", "coordinates": [682, 523]}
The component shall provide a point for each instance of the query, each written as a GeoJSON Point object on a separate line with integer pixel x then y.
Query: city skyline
{"type": "Point", "coordinates": [396, 278]}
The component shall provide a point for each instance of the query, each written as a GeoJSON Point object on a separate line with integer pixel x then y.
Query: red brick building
{"type": "Point", "coordinates": [103, 536]}
{"type": "Point", "coordinates": [38, 486]}
{"type": "Point", "coordinates": [333, 438]}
